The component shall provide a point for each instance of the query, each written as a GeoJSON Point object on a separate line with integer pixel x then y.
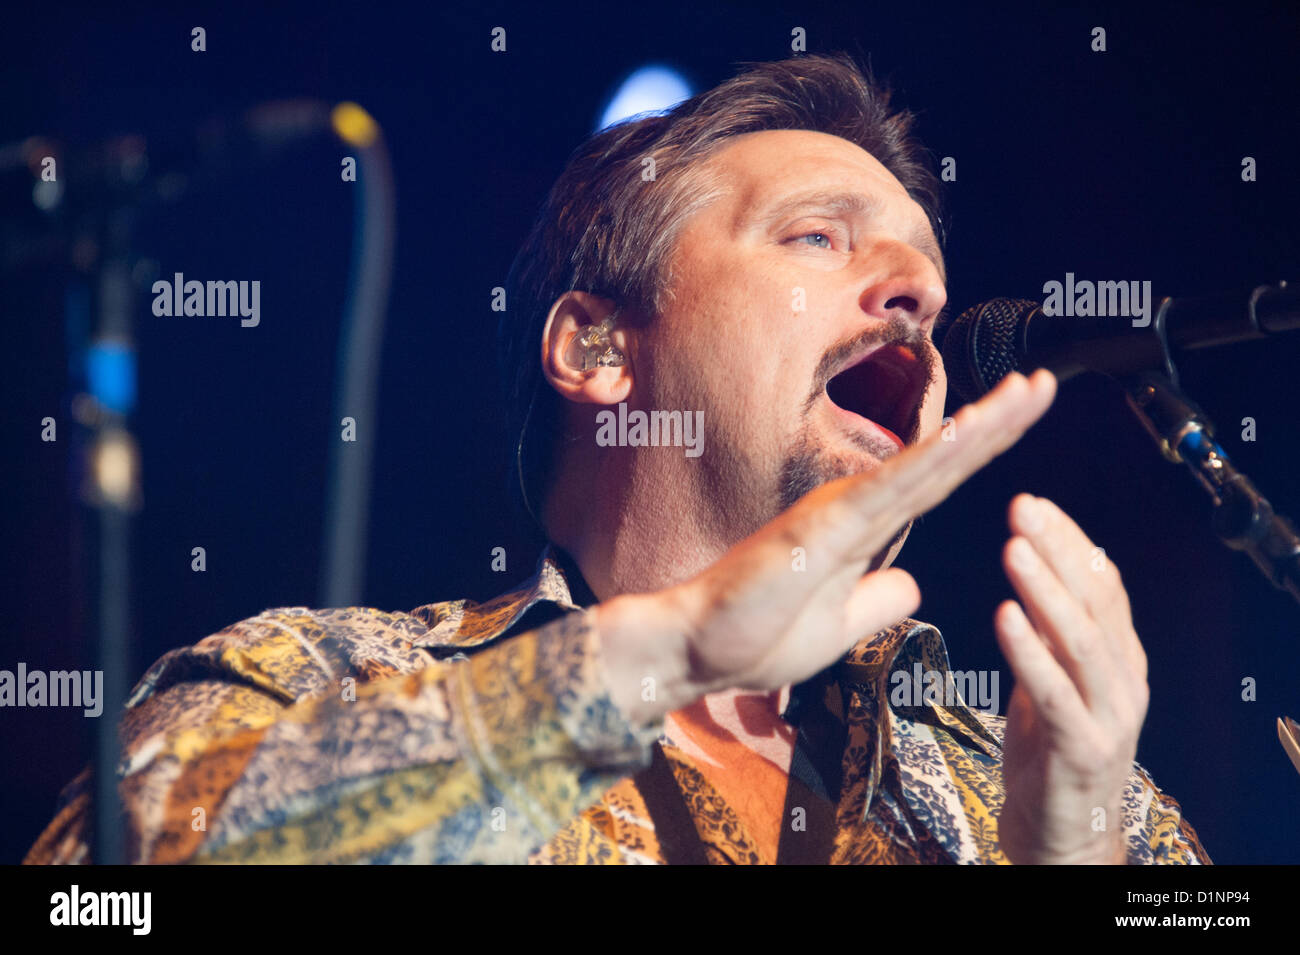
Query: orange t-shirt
{"type": "Point", "coordinates": [744, 752]}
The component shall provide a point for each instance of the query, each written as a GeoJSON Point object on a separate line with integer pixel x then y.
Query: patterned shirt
{"type": "Point", "coordinates": [467, 732]}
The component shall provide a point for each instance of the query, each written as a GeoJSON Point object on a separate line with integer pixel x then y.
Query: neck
{"type": "Point", "coordinates": [646, 529]}
{"type": "Point", "coordinates": [631, 526]}
{"type": "Point", "coordinates": [705, 729]}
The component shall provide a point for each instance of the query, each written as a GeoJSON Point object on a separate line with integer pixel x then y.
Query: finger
{"type": "Point", "coordinates": [1078, 641]}
{"type": "Point", "coordinates": [1055, 698]}
{"type": "Point", "coordinates": [1082, 567]}
{"type": "Point", "coordinates": [879, 600]}
{"type": "Point", "coordinates": [859, 515]}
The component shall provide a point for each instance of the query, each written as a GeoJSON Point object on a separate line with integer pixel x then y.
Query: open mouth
{"type": "Point", "coordinates": [885, 387]}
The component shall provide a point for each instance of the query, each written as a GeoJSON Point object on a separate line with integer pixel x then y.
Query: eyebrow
{"type": "Point", "coordinates": [848, 203]}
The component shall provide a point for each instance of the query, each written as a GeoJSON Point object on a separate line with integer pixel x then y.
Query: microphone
{"type": "Point", "coordinates": [990, 340]}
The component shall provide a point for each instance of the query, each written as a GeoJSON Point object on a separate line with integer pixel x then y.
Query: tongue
{"type": "Point", "coordinates": [888, 432]}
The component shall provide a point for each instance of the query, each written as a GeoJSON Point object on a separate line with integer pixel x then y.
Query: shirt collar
{"type": "Point", "coordinates": [868, 670]}
{"type": "Point", "coordinates": [884, 670]}
{"type": "Point", "coordinates": [459, 624]}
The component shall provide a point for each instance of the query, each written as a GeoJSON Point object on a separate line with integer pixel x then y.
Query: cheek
{"type": "Point", "coordinates": [746, 410]}
{"type": "Point", "coordinates": [736, 347]}
{"type": "Point", "coordinates": [731, 336]}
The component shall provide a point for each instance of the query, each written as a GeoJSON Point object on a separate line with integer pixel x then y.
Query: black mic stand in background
{"type": "Point", "coordinates": [115, 477]}
{"type": "Point", "coordinates": [1242, 517]}
{"type": "Point", "coordinates": [100, 323]}
{"type": "Point", "coordinates": [113, 186]}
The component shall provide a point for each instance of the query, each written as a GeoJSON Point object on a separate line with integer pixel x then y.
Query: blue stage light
{"type": "Point", "coordinates": [651, 89]}
{"type": "Point", "coordinates": [110, 373]}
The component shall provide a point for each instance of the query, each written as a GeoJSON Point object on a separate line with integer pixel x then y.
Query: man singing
{"type": "Point", "coordinates": [705, 666]}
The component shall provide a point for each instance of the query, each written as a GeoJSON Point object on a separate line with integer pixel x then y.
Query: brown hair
{"type": "Point", "coordinates": [606, 230]}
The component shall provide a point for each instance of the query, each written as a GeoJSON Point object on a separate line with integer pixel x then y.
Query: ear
{"type": "Point", "coordinates": [572, 314]}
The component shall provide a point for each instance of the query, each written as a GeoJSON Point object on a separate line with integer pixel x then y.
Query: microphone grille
{"type": "Point", "coordinates": [980, 347]}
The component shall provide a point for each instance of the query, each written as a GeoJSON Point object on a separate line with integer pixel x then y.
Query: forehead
{"type": "Point", "coordinates": [770, 172]}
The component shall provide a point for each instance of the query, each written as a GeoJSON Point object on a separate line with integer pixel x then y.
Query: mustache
{"type": "Point", "coordinates": [897, 330]}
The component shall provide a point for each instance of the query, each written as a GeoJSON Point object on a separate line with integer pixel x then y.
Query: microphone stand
{"type": "Point", "coordinates": [108, 453]}
{"type": "Point", "coordinates": [1242, 518]}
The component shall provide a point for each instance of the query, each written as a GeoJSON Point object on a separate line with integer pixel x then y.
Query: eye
{"type": "Point", "coordinates": [815, 239]}
{"type": "Point", "coordinates": [818, 233]}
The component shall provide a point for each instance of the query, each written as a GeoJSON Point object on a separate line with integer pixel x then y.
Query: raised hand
{"type": "Point", "coordinates": [749, 621]}
{"type": "Point", "coordinates": [1081, 692]}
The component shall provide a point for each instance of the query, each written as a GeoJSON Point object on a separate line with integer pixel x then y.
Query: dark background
{"type": "Point", "coordinates": [1115, 165]}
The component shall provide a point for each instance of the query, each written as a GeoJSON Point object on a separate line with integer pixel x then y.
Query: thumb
{"type": "Point", "coordinates": [880, 598]}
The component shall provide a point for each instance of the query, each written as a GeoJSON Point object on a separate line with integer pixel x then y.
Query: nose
{"type": "Point", "coordinates": [905, 284]}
